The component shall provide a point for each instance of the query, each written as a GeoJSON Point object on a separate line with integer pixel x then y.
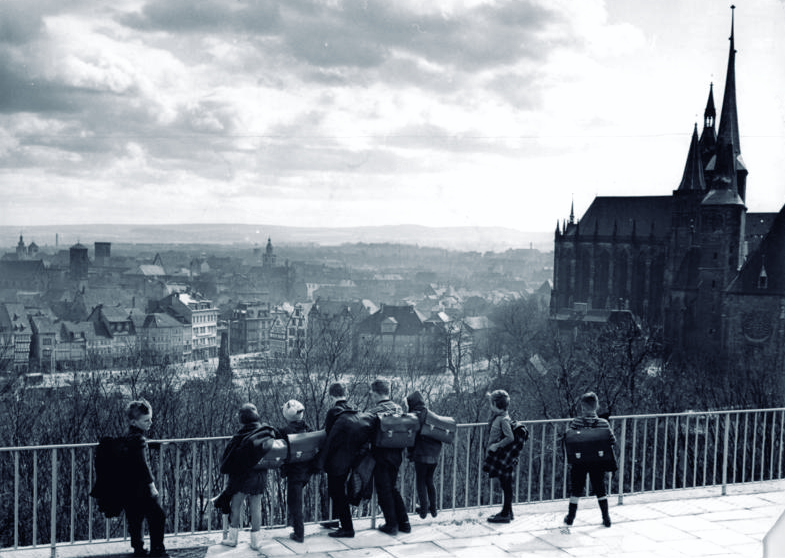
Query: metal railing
{"type": "Point", "coordinates": [44, 490]}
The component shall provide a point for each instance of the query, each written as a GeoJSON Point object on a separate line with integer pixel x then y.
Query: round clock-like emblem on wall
{"type": "Point", "coordinates": [756, 326]}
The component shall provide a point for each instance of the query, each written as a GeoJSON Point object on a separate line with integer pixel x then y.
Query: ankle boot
{"type": "Point", "coordinates": [256, 540]}
{"type": "Point", "coordinates": [606, 519]}
{"type": "Point", "coordinates": [231, 537]}
{"type": "Point", "coordinates": [571, 511]}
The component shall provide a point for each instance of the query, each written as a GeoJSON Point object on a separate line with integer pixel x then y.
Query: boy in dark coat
{"type": "Point", "coordinates": [142, 499]}
{"type": "Point", "coordinates": [388, 461]}
{"type": "Point", "coordinates": [589, 404]}
{"type": "Point", "coordinates": [297, 474]}
{"type": "Point", "coordinates": [335, 459]}
{"type": "Point", "coordinates": [425, 454]}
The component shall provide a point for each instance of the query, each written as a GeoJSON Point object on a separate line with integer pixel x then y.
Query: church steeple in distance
{"type": "Point", "coordinates": [729, 119]}
{"type": "Point", "coordinates": [727, 168]}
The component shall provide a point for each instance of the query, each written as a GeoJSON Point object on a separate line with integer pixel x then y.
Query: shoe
{"type": "Point", "coordinates": [256, 540]}
{"type": "Point", "coordinates": [342, 534]}
{"type": "Point", "coordinates": [499, 518]}
{"type": "Point", "coordinates": [231, 537]}
{"type": "Point", "coordinates": [140, 552]}
{"type": "Point", "coordinates": [572, 509]}
{"type": "Point", "coordinates": [423, 513]}
{"type": "Point", "coordinates": [158, 553]}
{"type": "Point", "coordinates": [389, 529]}
{"type": "Point", "coordinates": [433, 511]}
{"type": "Point", "coordinates": [405, 527]}
{"type": "Point", "coordinates": [332, 524]}
{"type": "Point", "coordinates": [606, 518]}
{"type": "Point", "coordinates": [297, 538]}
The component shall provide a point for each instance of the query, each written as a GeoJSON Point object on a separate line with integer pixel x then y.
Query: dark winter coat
{"type": "Point", "coordinates": [341, 447]}
{"type": "Point", "coordinates": [247, 480]}
{"type": "Point", "coordinates": [333, 412]}
{"type": "Point", "coordinates": [591, 421]}
{"type": "Point", "coordinates": [425, 450]}
{"type": "Point", "coordinates": [296, 472]}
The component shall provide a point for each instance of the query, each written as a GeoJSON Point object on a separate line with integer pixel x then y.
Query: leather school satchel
{"type": "Point", "coordinates": [304, 446]}
{"type": "Point", "coordinates": [439, 427]}
{"type": "Point", "coordinates": [397, 431]}
{"type": "Point", "coordinates": [276, 455]}
{"type": "Point", "coordinates": [591, 447]}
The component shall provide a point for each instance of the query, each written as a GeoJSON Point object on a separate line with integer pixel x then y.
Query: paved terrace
{"type": "Point", "coordinates": [694, 522]}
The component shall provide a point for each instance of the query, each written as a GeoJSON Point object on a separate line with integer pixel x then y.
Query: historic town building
{"type": "Point", "coordinates": [695, 262]}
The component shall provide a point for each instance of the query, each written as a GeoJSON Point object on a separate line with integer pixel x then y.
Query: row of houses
{"type": "Point", "coordinates": [179, 327]}
{"type": "Point", "coordinates": [185, 326]}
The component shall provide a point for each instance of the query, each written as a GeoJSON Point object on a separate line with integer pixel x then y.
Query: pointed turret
{"type": "Point", "coordinates": [693, 179]}
{"type": "Point", "coordinates": [709, 133]}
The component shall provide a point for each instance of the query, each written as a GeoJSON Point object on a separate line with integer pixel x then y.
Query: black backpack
{"type": "Point", "coordinates": [110, 477]}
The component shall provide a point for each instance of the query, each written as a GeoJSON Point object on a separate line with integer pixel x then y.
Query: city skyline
{"type": "Point", "coordinates": [344, 114]}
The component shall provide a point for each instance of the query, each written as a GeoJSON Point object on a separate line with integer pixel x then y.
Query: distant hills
{"type": "Point", "coordinates": [482, 239]}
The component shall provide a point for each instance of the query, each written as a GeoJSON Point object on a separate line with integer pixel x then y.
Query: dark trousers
{"type": "Point", "coordinates": [336, 488]}
{"type": "Point", "coordinates": [506, 483]}
{"type": "Point", "coordinates": [294, 505]}
{"type": "Point", "coordinates": [136, 510]}
{"type": "Point", "coordinates": [426, 491]}
{"type": "Point", "coordinates": [578, 481]}
{"type": "Point", "coordinates": [385, 478]}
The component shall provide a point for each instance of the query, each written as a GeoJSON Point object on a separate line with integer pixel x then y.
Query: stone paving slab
{"type": "Point", "coordinates": [418, 549]}
{"type": "Point", "coordinates": [696, 523]}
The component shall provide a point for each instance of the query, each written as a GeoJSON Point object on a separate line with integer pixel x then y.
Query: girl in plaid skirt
{"type": "Point", "coordinates": [496, 462]}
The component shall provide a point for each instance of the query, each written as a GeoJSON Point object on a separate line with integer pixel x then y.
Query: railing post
{"type": "Point", "coordinates": [622, 459]}
{"type": "Point", "coordinates": [725, 443]}
{"type": "Point", "coordinates": [53, 518]}
{"type": "Point", "coordinates": [16, 499]}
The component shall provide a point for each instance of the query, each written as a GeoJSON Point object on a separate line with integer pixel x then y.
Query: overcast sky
{"type": "Point", "coordinates": [366, 112]}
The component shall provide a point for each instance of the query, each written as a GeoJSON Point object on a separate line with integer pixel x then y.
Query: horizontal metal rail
{"type": "Point", "coordinates": [654, 452]}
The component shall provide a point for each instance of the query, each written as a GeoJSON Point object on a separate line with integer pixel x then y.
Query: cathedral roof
{"type": "Point", "coordinates": [625, 216]}
{"type": "Point", "coordinates": [756, 227]}
{"type": "Point", "coordinates": [767, 260]}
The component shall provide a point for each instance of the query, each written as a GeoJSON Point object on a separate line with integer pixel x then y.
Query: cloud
{"type": "Point", "coordinates": [205, 16]}
{"type": "Point", "coordinates": [243, 102]}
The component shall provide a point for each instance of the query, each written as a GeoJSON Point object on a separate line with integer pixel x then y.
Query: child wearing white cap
{"type": "Point", "coordinates": [297, 474]}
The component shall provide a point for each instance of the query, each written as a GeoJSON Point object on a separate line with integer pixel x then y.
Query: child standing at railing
{"type": "Point", "coordinates": [425, 455]}
{"type": "Point", "coordinates": [244, 482]}
{"type": "Point", "coordinates": [497, 462]}
{"type": "Point", "coordinates": [297, 474]}
{"type": "Point", "coordinates": [142, 499]}
{"type": "Point", "coordinates": [588, 419]}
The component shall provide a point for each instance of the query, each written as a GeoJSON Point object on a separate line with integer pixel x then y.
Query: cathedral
{"type": "Point", "coordinates": [695, 263]}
